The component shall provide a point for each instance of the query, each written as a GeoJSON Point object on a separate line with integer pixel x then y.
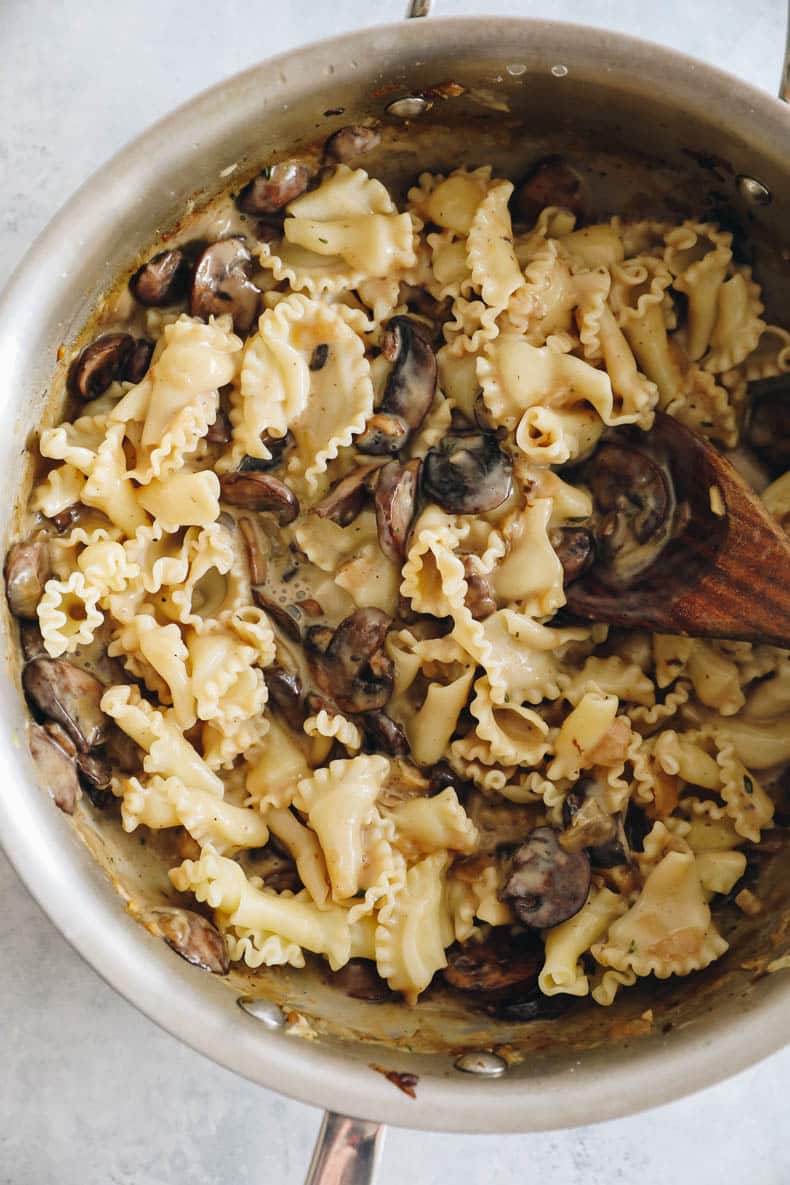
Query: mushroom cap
{"type": "Point", "coordinates": [467, 473]}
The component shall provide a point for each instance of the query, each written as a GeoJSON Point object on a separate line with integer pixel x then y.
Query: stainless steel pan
{"type": "Point", "coordinates": [657, 132]}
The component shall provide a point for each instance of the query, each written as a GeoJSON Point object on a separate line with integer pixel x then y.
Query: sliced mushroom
{"type": "Point", "coordinates": [69, 695]}
{"type": "Point", "coordinates": [350, 665]}
{"type": "Point", "coordinates": [99, 364]}
{"type": "Point", "coordinates": [221, 284]}
{"type": "Point", "coordinates": [383, 735]}
{"type": "Point", "coordinates": [395, 499]}
{"type": "Point", "coordinates": [273, 188]}
{"type": "Point", "coordinates": [503, 963]}
{"type": "Point", "coordinates": [56, 768]}
{"type": "Point", "coordinates": [289, 618]}
{"type": "Point", "coordinates": [547, 885]}
{"type": "Point", "coordinates": [95, 773]}
{"type": "Point", "coordinates": [27, 569]}
{"type": "Point", "coordinates": [162, 281]}
{"type": "Point", "coordinates": [532, 1005]}
{"type": "Point", "coordinates": [634, 509]}
{"type": "Point", "coordinates": [468, 473]}
{"type": "Point", "coordinates": [136, 366]}
{"type": "Point", "coordinates": [277, 446]}
{"type": "Point", "coordinates": [346, 499]}
{"type": "Point", "coordinates": [550, 182]}
{"type": "Point", "coordinates": [587, 823]}
{"type": "Point", "coordinates": [575, 548]}
{"type": "Point", "coordinates": [262, 492]}
{"type": "Point", "coordinates": [193, 937]}
{"type": "Point", "coordinates": [256, 560]}
{"type": "Point", "coordinates": [384, 434]}
{"type": "Point", "coordinates": [443, 776]}
{"type": "Point", "coordinates": [66, 518]}
{"type": "Point", "coordinates": [123, 753]}
{"type": "Point", "coordinates": [768, 422]}
{"type": "Point", "coordinates": [286, 694]}
{"type": "Point", "coordinates": [31, 641]}
{"type": "Point", "coordinates": [347, 144]}
{"type": "Point", "coordinates": [220, 431]}
{"type": "Point", "coordinates": [479, 599]}
{"type": "Point", "coordinates": [360, 980]}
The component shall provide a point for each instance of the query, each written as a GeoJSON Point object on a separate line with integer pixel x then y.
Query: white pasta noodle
{"type": "Point", "coordinates": [164, 514]}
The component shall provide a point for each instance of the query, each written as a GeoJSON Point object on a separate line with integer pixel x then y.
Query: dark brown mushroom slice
{"type": "Point", "coordinates": [443, 777]}
{"type": "Point", "coordinates": [384, 435]}
{"type": "Point", "coordinates": [286, 695]}
{"type": "Point", "coordinates": [256, 560]}
{"type": "Point", "coordinates": [64, 692]}
{"type": "Point", "coordinates": [31, 641]}
{"type": "Point", "coordinates": [261, 492]}
{"type": "Point", "coordinates": [347, 497]}
{"type": "Point", "coordinates": [767, 423]}
{"type": "Point", "coordinates": [56, 768]}
{"type": "Point", "coordinates": [634, 506]}
{"type": "Point", "coordinates": [383, 735]}
{"type": "Point", "coordinates": [193, 937]}
{"type": "Point", "coordinates": [395, 501]}
{"type": "Point", "coordinates": [66, 518]}
{"type": "Point", "coordinates": [277, 446]}
{"type": "Point", "coordinates": [288, 618]}
{"type": "Point", "coordinates": [136, 365]}
{"type": "Point", "coordinates": [99, 364]}
{"type": "Point", "coordinates": [575, 548]}
{"type": "Point", "coordinates": [479, 599]}
{"type": "Point", "coordinates": [467, 473]}
{"type": "Point", "coordinates": [502, 963]}
{"type": "Point", "coordinates": [550, 181]}
{"type": "Point", "coordinates": [615, 851]}
{"type": "Point", "coordinates": [163, 280]}
{"type": "Point", "coordinates": [547, 885]}
{"type": "Point", "coordinates": [411, 384]}
{"type": "Point", "coordinates": [95, 774]}
{"type": "Point", "coordinates": [123, 753]}
{"type": "Point", "coordinates": [350, 665]}
{"type": "Point", "coordinates": [28, 567]}
{"type": "Point", "coordinates": [221, 284]}
{"type": "Point", "coordinates": [587, 824]}
{"type": "Point", "coordinates": [273, 188]}
{"type": "Point", "coordinates": [360, 980]}
{"type": "Point", "coordinates": [220, 431]}
{"type": "Point", "coordinates": [532, 1005]}
{"type": "Point", "coordinates": [348, 143]}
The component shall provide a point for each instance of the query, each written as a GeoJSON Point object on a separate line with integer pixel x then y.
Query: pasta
{"type": "Point", "coordinates": [317, 553]}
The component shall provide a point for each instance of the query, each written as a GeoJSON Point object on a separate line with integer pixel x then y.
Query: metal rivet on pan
{"type": "Point", "coordinates": [559, 71]}
{"type": "Point", "coordinates": [484, 1063]}
{"type": "Point", "coordinates": [409, 107]}
{"type": "Point", "coordinates": [263, 1010]}
{"type": "Point", "coordinates": [753, 191]}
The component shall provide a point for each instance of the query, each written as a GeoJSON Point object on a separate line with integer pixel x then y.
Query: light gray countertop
{"type": "Point", "coordinates": [91, 1092]}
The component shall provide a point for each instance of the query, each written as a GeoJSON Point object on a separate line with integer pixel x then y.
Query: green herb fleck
{"type": "Point", "coordinates": [507, 698]}
{"type": "Point", "coordinates": [632, 947]}
{"type": "Point", "coordinates": [748, 784]}
{"type": "Point", "coordinates": [324, 241]}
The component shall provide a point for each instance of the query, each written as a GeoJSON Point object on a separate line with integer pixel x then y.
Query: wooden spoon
{"type": "Point", "coordinates": [725, 571]}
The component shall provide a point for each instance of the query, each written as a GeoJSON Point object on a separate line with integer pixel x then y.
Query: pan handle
{"type": "Point", "coordinates": [418, 8]}
{"type": "Point", "coordinates": [347, 1151]}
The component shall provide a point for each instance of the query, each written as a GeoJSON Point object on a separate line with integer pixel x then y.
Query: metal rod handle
{"type": "Point", "coordinates": [418, 8]}
{"type": "Point", "coordinates": [347, 1152]}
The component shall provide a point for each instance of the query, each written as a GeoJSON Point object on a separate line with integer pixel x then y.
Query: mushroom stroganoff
{"type": "Point", "coordinates": [297, 582]}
